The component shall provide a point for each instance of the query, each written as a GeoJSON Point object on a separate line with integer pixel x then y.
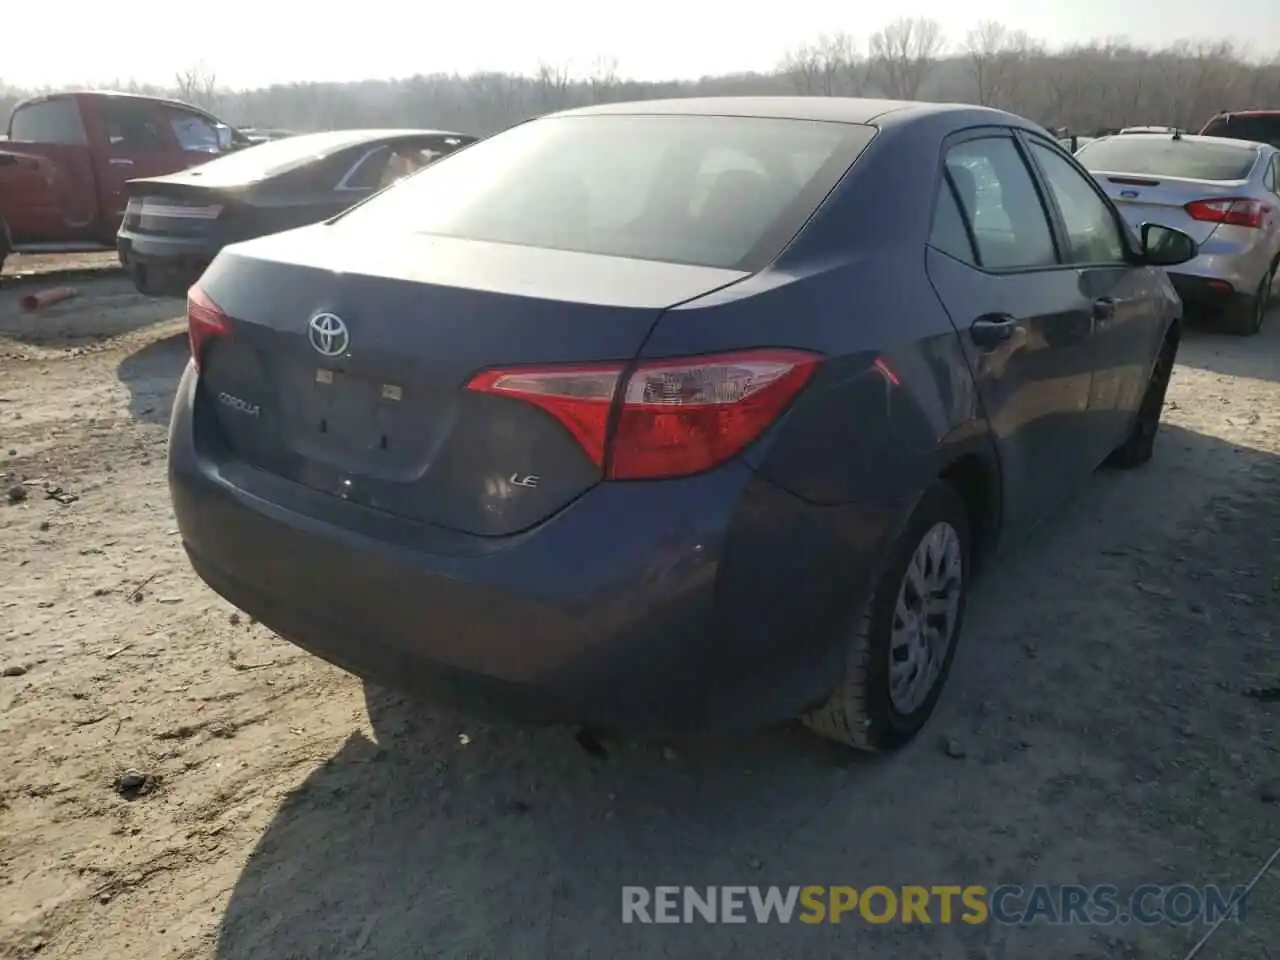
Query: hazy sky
{"type": "Point", "coordinates": [254, 43]}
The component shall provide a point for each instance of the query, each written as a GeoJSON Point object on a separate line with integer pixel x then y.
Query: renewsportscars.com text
{"type": "Point", "coordinates": [938, 904]}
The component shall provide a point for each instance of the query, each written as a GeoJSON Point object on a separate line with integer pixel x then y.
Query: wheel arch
{"type": "Point", "coordinates": [973, 471]}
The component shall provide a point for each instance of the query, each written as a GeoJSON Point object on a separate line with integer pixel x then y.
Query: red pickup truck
{"type": "Point", "coordinates": [64, 165]}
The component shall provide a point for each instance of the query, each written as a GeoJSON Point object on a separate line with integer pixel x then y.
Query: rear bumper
{"type": "Point", "coordinates": [1231, 255]}
{"type": "Point", "coordinates": [651, 609]}
{"type": "Point", "coordinates": [1210, 294]}
{"type": "Point", "coordinates": [163, 267]}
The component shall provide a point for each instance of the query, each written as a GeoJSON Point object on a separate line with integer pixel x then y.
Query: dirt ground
{"type": "Point", "coordinates": [1105, 714]}
{"type": "Point", "coordinates": [18, 264]}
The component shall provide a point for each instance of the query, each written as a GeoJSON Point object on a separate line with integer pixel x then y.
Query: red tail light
{"type": "Point", "coordinates": [1233, 211]}
{"type": "Point", "coordinates": [205, 320]}
{"type": "Point", "coordinates": [675, 417]}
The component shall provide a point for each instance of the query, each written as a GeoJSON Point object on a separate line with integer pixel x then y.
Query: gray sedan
{"type": "Point", "coordinates": [1224, 193]}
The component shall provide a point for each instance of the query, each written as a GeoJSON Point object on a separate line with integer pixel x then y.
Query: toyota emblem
{"type": "Point", "coordinates": [328, 334]}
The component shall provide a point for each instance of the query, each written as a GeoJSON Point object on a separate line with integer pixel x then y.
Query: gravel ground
{"type": "Point", "coordinates": [176, 781]}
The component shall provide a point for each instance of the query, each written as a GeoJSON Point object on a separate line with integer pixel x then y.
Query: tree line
{"type": "Point", "coordinates": [1104, 84]}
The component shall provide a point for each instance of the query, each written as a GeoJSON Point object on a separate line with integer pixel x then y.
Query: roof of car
{"type": "Point", "coordinates": [376, 133]}
{"type": "Point", "coordinates": [838, 109]}
{"type": "Point", "coordinates": [1245, 113]}
{"type": "Point", "coordinates": [112, 94]}
{"type": "Point", "coordinates": [1185, 138]}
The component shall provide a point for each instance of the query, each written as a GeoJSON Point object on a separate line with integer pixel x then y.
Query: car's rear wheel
{"type": "Point", "coordinates": [1247, 317]}
{"type": "Point", "coordinates": [1140, 444]}
{"type": "Point", "coordinates": [903, 639]}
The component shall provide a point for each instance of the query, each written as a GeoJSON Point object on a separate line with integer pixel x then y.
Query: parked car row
{"type": "Point", "coordinates": [68, 156]}
{"type": "Point", "coordinates": [174, 225]}
{"type": "Point", "coordinates": [674, 417]}
{"type": "Point", "coordinates": [72, 162]}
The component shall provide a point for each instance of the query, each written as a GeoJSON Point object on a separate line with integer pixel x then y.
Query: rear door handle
{"type": "Point", "coordinates": [1103, 308]}
{"type": "Point", "coordinates": [120, 162]}
{"type": "Point", "coordinates": [992, 329]}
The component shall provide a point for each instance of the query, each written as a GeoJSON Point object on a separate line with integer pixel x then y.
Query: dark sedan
{"type": "Point", "coordinates": [670, 417]}
{"type": "Point", "coordinates": [175, 225]}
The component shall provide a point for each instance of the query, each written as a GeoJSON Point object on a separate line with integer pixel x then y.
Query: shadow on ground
{"type": "Point", "coordinates": [152, 375]}
{"type": "Point", "coordinates": [1096, 705]}
{"type": "Point", "coordinates": [103, 307]}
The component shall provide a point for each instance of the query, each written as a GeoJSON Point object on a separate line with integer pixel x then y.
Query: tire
{"type": "Point", "coordinates": [1139, 446]}
{"type": "Point", "coordinates": [1245, 319]}
{"type": "Point", "coordinates": [864, 711]}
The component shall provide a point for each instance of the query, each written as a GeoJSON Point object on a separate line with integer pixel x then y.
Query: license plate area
{"type": "Point", "coordinates": [355, 413]}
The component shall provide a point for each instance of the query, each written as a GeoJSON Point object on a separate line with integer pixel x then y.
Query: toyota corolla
{"type": "Point", "coordinates": [670, 417]}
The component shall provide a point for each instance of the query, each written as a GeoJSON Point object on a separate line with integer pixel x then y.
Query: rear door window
{"type": "Point", "coordinates": [51, 121]}
{"type": "Point", "coordinates": [1157, 156]}
{"type": "Point", "coordinates": [1001, 201]}
{"type": "Point", "coordinates": [132, 124]}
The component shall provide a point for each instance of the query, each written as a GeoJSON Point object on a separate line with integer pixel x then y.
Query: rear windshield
{"type": "Point", "coordinates": [1260, 129]}
{"type": "Point", "coordinates": [1166, 157]}
{"type": "Point", "coordinates": [708, 191]}
{"type": "Point", "coordinates": [278, 156]}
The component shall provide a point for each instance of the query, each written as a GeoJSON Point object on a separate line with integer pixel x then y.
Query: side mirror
{"type": "Point", "coordinates": [224, 137]}
{"type": "Point", "coordinates": [1166, 247]}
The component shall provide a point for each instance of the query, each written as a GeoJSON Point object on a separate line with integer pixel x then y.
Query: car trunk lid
{"type": "Point", "coordinates": [174, 207]}
{"type": "Point", "coordinates": [345, 364]}
{"type": "Point", "coordinates": [1144, 197]}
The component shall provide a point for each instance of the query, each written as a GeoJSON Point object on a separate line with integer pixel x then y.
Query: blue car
{"type": "Point", "coordinates": [674, 417]}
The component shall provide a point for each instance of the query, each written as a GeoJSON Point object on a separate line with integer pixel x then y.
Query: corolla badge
{"type": "Point", "coordinates": [237, 403]}
{"type": "Point", "coordinates": [328, 334]}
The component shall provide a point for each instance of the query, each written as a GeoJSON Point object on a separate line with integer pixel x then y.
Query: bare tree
{"type": "Point", "coordinates": [803, 67]}
{"type": "Point", "coordinates": [905, 53]}
{"type": "Point", "coordinates": [552, 83]}
{"type": "Point", "coordinates": [602, 78]}
{"type": "Point", "coordinates": [1000, 60]}
{"type": "Point", "coordinates": [198, 85]}
{"type": "Point", "coordinates": [1107, 83]}
{"type": "Point", "coordinates": [830, 66]}
{"type": "Point", "coordinates": [843, 66]}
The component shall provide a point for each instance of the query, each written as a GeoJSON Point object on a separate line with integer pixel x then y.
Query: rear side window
{"type": "Point", "coordinates": [708, 191]}
{"type": "Point", "coordinates": [367, 174]}
{"type": "Point", "coordinates": [1002, 204]}
{"type": "Point", "coordinates": [53, 121]}
{"type": "Point", "coordinates": [1260, 129]}
{"type": "Point", "coordinates": [132, 124]}
{"type": "Point", "coordinates": [949, 234]}
{"type": "Point", "coordinates": [1166, 157]}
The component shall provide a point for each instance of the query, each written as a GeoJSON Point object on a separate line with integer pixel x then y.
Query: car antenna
{"type": "Point", "coordinates": [1177, 133]}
